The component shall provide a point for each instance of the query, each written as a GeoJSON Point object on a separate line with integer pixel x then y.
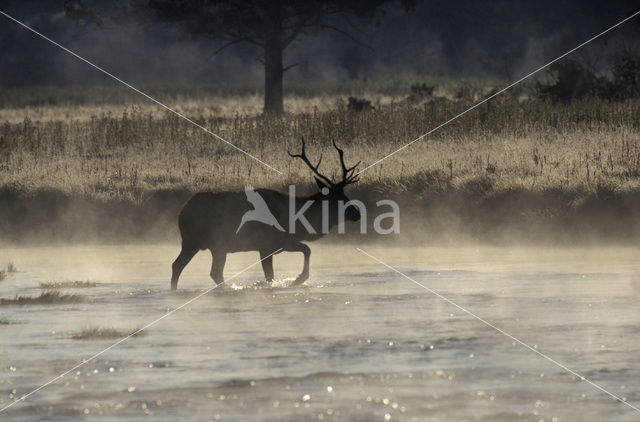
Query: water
{"type": "Point", "coordinates": [356, 343]}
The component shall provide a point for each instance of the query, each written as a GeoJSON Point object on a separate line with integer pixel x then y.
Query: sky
{"type": "Point", "coordinates": [501, 38]}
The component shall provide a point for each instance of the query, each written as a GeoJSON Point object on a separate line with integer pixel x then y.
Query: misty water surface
{"type": "Point", "coordinates": [356, 343]}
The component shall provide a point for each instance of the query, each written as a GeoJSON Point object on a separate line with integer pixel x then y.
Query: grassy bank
{"type": "Point", "coordinates": [534, 144]}
{"type": "Point", "coordinates": [433, 211]}
{"type": "Point", "coordinates": [124, 172]}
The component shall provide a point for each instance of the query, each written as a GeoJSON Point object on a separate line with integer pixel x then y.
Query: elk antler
{"type": "Point", "coordinates": [303, 157]}
{"type": "Point", "coordinates": [348, 176]}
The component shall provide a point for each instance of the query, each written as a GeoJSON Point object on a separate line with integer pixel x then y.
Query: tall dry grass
{"type": "Point", "coordinates": [125, 151]}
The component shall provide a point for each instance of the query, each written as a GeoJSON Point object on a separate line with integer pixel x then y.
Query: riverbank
{"type": "Point", "coordinates": [517, 169]}
{"type": "Point", "coordinates": [474, 212]}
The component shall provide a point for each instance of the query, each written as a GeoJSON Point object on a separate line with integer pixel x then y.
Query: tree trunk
{"type": "Point", "coordinates": [273, 97]}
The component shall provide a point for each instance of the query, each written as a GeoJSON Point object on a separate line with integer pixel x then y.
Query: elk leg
{"type": "Point", "coordinates": [181, 261]}
{"type": "Point", "coordinates": [218, 260]}
{"type": "Point", "coordinates": [301, 247]}
{"type": "Point", "coordinates": [267, 265]}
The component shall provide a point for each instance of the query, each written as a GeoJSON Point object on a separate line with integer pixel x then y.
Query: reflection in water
{"type": "Point", "coordinates": [356, 343]}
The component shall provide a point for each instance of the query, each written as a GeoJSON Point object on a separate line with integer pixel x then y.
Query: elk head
{"type": "Point", "coordinates": [333, 191]}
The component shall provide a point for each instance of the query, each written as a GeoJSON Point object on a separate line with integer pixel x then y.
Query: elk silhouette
{"type": "Point", "coordinates": [225, 222]}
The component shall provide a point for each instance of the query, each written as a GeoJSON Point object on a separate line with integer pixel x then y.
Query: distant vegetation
{"type": "Point", "coordinates": [572, 79]}
{"type": "Point", "coordinates": [396, 86]}
{"type": "Point", "coordinates": [11, 268]}
{"type": "Point", "coordinates": [521, 142]}
{"type": "Point", "coordinates": [126, 156]}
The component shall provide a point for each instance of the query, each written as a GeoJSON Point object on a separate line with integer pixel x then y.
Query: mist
{"type": "Point", "coordinates": [465, 38]}
{"type": "Point", "coordinates": [136, 281]}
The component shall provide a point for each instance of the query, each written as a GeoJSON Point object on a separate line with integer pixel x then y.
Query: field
{"type": "Point", "coordinates": [106, 152]}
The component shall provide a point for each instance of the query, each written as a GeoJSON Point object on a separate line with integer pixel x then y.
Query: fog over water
{"type": "Point", "coordinates": [356, 343]}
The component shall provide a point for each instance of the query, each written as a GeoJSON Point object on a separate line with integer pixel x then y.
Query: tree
{"type": "Point", "coordinates": [269, 24]}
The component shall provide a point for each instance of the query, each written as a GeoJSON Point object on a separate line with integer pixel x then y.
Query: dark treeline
{"type": "Point", "coordinates": [573, 79]}
{"type": "Point", "coordinates": [502, 39]}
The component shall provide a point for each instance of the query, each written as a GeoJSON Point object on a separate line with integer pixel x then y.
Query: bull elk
{"type": "Point", "coordinates": [263, 220]}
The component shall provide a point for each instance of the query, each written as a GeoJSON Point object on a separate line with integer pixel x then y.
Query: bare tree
{"type": "Point", "coordinates": [269, 24]}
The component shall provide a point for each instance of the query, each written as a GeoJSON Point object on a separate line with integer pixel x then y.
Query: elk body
{"type": "Point", "coordinates": [230, 222]}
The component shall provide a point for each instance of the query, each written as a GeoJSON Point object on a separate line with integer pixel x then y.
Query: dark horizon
{"type": "Point", "coordinates": [501, 40]}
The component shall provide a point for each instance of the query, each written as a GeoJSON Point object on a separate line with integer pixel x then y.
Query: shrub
{"type": "Point", "coordinates": [420, 92]}
{"type": "Point", "coordinates": [572, 80]}
{"type": "Point", "coordinates": [626, 75]}
{"type": "Point", "coordinates": [359, 104]}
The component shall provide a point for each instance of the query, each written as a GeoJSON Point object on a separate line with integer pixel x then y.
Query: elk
{"type": "Point", "coordinates": [261, 220]}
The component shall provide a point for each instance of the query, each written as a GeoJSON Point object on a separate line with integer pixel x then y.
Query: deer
{"type": "Point", "coordinates": [261, 220]}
